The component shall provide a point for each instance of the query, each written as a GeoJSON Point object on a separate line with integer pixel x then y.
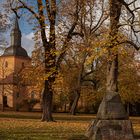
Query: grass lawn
{"type": "Point", "coordinates": [27, 126]}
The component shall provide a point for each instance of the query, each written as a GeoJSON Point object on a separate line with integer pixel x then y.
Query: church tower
{"type": "Point", "coordinates": [16, 35]}
{"type": "Point", "coordinates": [15, 48]}
{"type": "Point", "coordinates": [13, 60]}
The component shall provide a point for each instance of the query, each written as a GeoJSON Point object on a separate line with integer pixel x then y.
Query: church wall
{"type": "Point", "coordinates": [6, 70]}
{"type": "Point", "coordinates": [15, 95]}
{"type": "Point", "coordinates": [21, 62]}
{"type": "Point", "coordinates": [6, 66]}
{"type": "Point", "coordinates": [19, 101]}
{"type": "Point", "coordinates": [8, 92]}
{"type": "Point", "coordinates": [19, 97]}
{"type": "Point", "coordinates": [12, 62]}
{"type": "Point", "coordinates": [34, 93]}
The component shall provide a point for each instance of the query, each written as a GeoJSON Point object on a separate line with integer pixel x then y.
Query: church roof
{"type": "Point", "coordinates": [15, 48]}
{"type": "Point", "coordinates": [16, 25]}
{"type": "Point", "coordinates": [15, 51]}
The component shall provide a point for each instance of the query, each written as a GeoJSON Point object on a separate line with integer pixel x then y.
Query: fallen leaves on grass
{"type": "Point", "coordinates": [36, 130]}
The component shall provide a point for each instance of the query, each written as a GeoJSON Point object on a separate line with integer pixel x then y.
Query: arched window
{"type": "Point", "coordinates": [5, 101]}
{"type": "Point", "coordinates": [6, 64]}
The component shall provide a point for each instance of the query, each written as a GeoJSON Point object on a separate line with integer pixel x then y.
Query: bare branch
{"type": "Point", "coordinates": [48, 9]}
{"type": "Point", "coordinates": [130, 43]}
{"type": "Point", "coordinates": [132, 2]}
{"type": "Point", "coordinates": [23, 6]}
{"type": "Point", "coordinates": [70, 34]}
{"type": "Point", "coordinates": [101, 20]}
{"type": "Point", "coordinates": [127, 7]}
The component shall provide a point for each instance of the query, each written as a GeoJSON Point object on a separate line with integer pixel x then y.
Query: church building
{"type": "Point", "coordinates": [12, 61]}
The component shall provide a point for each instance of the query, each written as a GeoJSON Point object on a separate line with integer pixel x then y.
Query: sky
{"type": "Point", "coordinates": [27, 35]}
{"type": "Point", "coordinates": [26, 30]}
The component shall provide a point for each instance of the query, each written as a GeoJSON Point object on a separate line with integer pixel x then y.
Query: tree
{"type": "Point", "coordinates": [115, 13]}
{"type": "Point", "coordinates": [128, 69]}
{"type": "Point", "coordinates": [111, 108]}
{"type": "Point", "coordinates": [4, 26]}
{"type": "Point", "coordinates": [7, 84]}
{"type": "Point", "coordinates": [88, 27]}
{"type": "Point", "coordinates": [3, 72]}
{"type": "Point", "coordinates": [48, 44]}
{"type": "Point", "coordinates": [46, 13]}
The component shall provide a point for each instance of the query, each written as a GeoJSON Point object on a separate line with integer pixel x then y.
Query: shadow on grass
{"type": "Point", "coordinates": [59, 117]}
{"type": "Point", "coordinates": [82, 137]}
{"type": "Point", "coordinates": [77, 137]}
{"type": "Point", "coordinates": [18, 116]}
{"type": "Point", "coordinates": [137, 136]}
{"type": "Point", "coordinates": [30, 136]}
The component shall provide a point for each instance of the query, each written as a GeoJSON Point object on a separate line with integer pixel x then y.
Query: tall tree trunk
{"type": "Point", "coordinates": [70, 104]}
{"type": "Point", "coordinates": [112, 75]}
{"type": "Point", "coordinates": [112, 65]}
{"type": "Point", "coordinates": [2, 108]}
{"type": "Point", "coordinates": [47, 102]}
{"type": "Point", "coordinates": [111, 106]}
{"type": "Point", "coordinates": [75, 103]}
{"type": "Point", "coordinates": [79, 81]}
{"type": "Point", "coordinates": [50, 57]}
{"type": "Point", "coordinates": [2, 105]}
{"type": "Point", "coordinates": [128, 108]}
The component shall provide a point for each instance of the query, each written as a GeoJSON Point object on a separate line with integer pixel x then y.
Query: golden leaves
{"type": "Point", "coordinates": [34, 129]}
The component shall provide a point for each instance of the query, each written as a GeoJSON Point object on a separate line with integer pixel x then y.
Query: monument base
{"type": "Point", "coordinates": [110, 130]}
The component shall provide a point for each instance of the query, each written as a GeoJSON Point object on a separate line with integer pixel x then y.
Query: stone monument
{"type": "Point", "coordinates": [112, 121]}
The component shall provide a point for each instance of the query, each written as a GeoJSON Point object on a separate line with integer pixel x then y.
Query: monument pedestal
{"type": "Point", "coordinates": [112, 121]}
{"type": "Point", "coordinates": [110, 130]}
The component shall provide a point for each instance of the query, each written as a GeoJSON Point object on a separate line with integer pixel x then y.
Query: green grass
{"type": "Point", "coordinates": [57, 116]}
{"type": "Point", "coordinates": [27, 126]}
{"type": "Point", "coordinates": [33, 130]}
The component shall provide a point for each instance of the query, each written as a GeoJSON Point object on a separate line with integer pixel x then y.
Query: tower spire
{"type": "Point", "coordinates": [15, 48]}
{"type": "Point", "coordinates": [16, 34]}
{"type": "Point", "coordinates": [16, 25]}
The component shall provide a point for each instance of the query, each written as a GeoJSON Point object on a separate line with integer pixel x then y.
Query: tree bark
{"type": "Point", "coordinates": [128, 108]}
{"type": "Point", "coordinates": [112, 75]}
{"type": "Point", "coordinates": [111, 106]}
{"type": "Point", "coordinates": [50, 57]}
{"type": "Point", "coordinates": [47, 102]}
{"type": "Point", "coordinates": [2, 105]}
{"type": "Point", "coordinates": [2, 108]}
{"type": "Point", "coordinates": [75, 103]}
{"type": "Point", "coordinates": [112, 65]}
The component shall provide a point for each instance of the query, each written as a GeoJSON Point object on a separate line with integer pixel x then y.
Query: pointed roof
{"type": "Point", "coordinates": [16, 29]}
{"type": "Point", "coordinates": [16, 25]}
{"type": "Point", "coordinates": [15, 49]}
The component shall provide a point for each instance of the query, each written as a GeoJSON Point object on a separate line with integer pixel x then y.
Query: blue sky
{"type": "Point", "coordinates": [27, 32]}
{"type": "Point", "coordinates": [26, 28]}
{"type": "Point", "coordinates": [27, 35]}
